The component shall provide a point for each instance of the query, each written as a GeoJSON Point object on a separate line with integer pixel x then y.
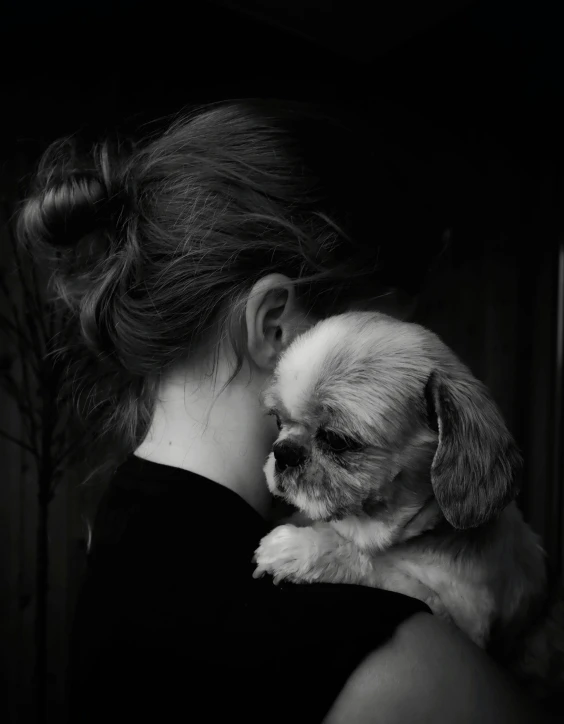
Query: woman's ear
{"type": "Point", "coordinates": [476, 461]}
{"type": "Point", "coordinates": [273, 318]}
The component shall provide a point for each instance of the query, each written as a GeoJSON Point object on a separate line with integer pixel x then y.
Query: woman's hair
{"type": "Point", "coordinates": [157, 242]}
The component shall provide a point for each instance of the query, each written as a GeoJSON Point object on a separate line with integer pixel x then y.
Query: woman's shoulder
{"type": "Point", "coordinates": [154, 512]}
{"type": "Point", "coordinates": [430, 672]}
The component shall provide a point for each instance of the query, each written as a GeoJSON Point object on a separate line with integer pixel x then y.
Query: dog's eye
{"type": "Point", "coordinates": [338, 442]}
{"type": "Point", "coordinates": [275, 414]}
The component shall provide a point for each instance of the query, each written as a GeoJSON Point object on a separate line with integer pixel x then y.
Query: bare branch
{"type": "Point", "coordinates": [26, 409]}
{"type": "Point", "coordinates": [67, 452]}
{"type": "Point", "coordinates": [40, 302]}
{"type": "Point", "coordinates": [9, 327]}
{"type": "Point", "coordinates": [38, 343]}
{"type": "Point", "coordinates": [26, 412]}
{"type": "Point", "coordinates": [11, 386]}
{"type": "Point", "coordinates": [17, 325]}
{"type": "Point", "coordinates": [31, 291]}
{"type": "Point", "coordinates": [22, 444]}
{"type": "Point", "coordinates": [27, 395]}
{"type": "Point", "coordinates": [55, 480]}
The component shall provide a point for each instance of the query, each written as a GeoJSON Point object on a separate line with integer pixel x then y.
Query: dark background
{"type": "Point", "coordinates": [473, 88]}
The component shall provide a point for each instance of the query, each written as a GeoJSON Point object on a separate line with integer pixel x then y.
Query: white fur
{"type": "Point", "coordinates": [300, 367]}
{"type": "Point", "coordinates": [315, 509]}
{"type": "Point", "coordinates": [368, 534]}
{"type": "Point", "coordinates": [269, 473]}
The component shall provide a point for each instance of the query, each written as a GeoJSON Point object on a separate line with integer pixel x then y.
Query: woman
{"type": "Point", "coordinates": [191, 261]}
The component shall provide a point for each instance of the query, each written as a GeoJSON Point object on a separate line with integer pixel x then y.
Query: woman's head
{"type": "Point", "coordinates": [159, 242]}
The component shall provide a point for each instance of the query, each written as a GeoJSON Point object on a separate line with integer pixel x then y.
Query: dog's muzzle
{"type": "Point", "coordinates": [288, 455]}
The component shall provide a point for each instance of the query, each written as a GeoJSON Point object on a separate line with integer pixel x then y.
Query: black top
{"type": "Point", "coordinates": [170, 625]}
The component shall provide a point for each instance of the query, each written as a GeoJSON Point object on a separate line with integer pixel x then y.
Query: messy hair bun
{"type": "Point", "coordinates": [73, 193]}
{"type": "Point", "coordinates": [76, 217]}
{"type": "Point", "coordinates": [77, 221]}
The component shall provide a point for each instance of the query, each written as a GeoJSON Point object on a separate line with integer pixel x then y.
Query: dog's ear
{"type": "Point", "coordinates": [476, 461]}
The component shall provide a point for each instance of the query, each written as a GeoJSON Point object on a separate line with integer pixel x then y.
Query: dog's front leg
{"type": "Point", "coordinates": [302, 554]}
{"type": "Point", "coordinates": [386, 573]}
{"type": "Point", "coordinates": [318, 554]}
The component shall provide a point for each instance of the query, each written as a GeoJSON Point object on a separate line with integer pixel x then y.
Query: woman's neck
{"type": "Point", "coordinates": [227, 441]}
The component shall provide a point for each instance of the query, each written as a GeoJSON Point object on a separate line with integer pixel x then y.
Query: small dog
{"type": "Point", "coordinates": [406, 473]}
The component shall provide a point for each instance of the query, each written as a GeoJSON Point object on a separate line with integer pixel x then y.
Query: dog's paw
{"type": "Point", "coordinates": [286, 553]}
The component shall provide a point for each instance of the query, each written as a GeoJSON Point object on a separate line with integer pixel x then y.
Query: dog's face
{"type": "Point", "coordinates": [376, 416]}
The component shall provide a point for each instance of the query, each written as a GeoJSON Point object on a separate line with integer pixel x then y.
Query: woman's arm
{"type": "Point", "coordinates": [429, 672]}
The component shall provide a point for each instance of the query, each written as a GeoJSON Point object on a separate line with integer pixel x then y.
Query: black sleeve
{"type": "Point", "coordinates": [298, 645]}
{"type": "Point", "coordinates": [267, 654]}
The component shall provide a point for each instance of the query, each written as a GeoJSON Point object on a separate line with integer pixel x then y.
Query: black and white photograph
{"type": "Point", "coordinates": [282, 362]}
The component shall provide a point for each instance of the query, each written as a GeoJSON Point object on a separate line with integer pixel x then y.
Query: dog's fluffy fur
{"type": "Point", "coordinates": [416, 494]}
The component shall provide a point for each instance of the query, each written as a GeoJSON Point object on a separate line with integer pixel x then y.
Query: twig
{"type": "Point", "coordinates": [76, 444]}
{"type": "Point", "coordinates": [40, 301]}
{"type": "Point", "coordinates": [29, 399]}
{"type": "Point", "coordinates": [31, 292]}
{"type": "Point", "coordinates": [23, 445]}
{"type": "Point", "coordinates": [25, 344]}
{"type": "Point", "coordinates": [10, 326]}
{"type": "Point", "coordinates": [11, 386]}
{"type": "Point", "coordinates": [30, 318]}
{"type": "Point", "coordinates": [15, 326]}
{"type": "Point", "coordinates": [26, 410]}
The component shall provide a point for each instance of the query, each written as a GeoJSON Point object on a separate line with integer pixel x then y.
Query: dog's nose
{"type": "Point", "coordinates": [288, 455]}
